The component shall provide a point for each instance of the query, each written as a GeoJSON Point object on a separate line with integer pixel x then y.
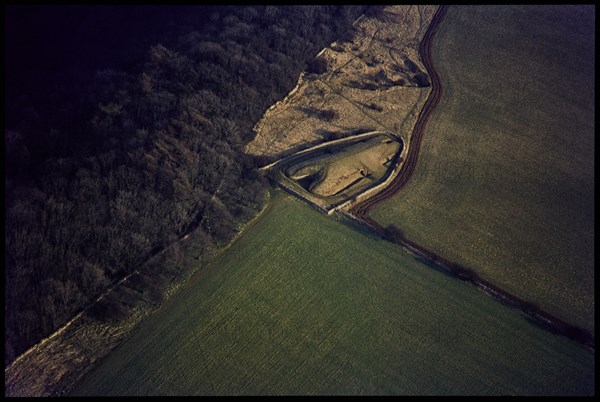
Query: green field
{"type": "Point", "coordinates": [304, 304]}
{"type": "Point", "coordinates": [505, 183]}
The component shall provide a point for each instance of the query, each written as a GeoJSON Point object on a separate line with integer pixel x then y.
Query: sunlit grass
{"type": "Point", "coordinates": [303, 304]}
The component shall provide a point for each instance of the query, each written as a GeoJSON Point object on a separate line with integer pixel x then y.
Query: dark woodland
{"type": "Point", "coordinates": [123, 133]}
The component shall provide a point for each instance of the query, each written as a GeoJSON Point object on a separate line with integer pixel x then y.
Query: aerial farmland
{"type": "Point", "coordinates": [405, 209]}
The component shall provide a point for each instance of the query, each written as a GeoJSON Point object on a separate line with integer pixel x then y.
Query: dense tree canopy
{"type": "Point", "coordinates": [103, 170]}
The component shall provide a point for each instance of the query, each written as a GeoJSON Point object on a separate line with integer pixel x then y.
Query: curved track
{"type": "Point", "coordinates": [360, 211]}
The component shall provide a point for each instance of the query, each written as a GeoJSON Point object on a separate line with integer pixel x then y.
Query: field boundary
{"type": "Point", "coordinates": [360, 212]}
{"type": "Point", "coordinates": [358, 207]}
{"type": "Point", "coordinates": [72, 366]}
{"type": "Point", "coordinates": [362, 209]}
{"type": "Point", "coordinates": [535, 313]}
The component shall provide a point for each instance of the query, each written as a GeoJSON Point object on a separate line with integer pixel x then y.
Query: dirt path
{"type": "Point", "coordinates": [360, 211]}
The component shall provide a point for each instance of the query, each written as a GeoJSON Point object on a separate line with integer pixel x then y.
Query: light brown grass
{"type": "Point", "coordinates": [374, 55]}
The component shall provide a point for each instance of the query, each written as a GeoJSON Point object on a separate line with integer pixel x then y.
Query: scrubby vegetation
{"type": "Point", "coordinates": [107, 167]}
{"type": "Point", "coordinates": [370, 76]}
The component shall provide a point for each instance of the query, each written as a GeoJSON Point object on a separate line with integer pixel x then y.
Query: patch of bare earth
{"type": "Point", "coordinates": [356, 166]}
{"type": "Point", "coordinates": [372, 79]}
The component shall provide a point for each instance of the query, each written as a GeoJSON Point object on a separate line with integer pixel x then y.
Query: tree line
{"type": "Point", "coordinates": [100, 177]}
